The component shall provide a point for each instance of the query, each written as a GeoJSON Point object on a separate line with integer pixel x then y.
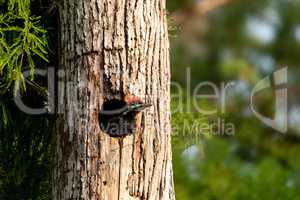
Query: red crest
{"type": "Point", "coordinates": [131, 99]}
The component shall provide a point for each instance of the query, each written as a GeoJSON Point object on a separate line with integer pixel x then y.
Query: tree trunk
{"type": "Point", "coordinates": [111, 49]}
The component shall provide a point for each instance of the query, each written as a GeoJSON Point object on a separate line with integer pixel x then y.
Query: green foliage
{"type": "Point", "coordinates": [25, 156]}
{"type": "Point", "coordinates": [257, 163]}
{"type": "Point", "coordinates": [223, 174]}
{"type": "Point", "coordinates": [187, 127]}
{"type": "Point", "coordinates": [22, 40]}
{"type": "Point", "coordinates": [25, 141]}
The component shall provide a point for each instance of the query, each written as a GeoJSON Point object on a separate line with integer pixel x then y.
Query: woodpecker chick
{"type": "Point", "coordinates": [135, 104]}
{"type": "Point", "coordinates": [117, 117]}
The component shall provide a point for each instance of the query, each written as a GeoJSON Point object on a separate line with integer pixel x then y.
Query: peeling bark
{"type": "Point", "coordinates": [110, 49]}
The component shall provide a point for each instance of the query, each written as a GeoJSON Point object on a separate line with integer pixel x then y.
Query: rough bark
{"type": "Point", "coordinates": [110, 49]}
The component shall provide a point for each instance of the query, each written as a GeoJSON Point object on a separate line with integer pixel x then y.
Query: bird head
{"type": "Point", "coordinates": [135, 104]}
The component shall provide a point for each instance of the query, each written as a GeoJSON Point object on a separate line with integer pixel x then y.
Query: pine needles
{"type": "Point", "coordinates": [22, 42]}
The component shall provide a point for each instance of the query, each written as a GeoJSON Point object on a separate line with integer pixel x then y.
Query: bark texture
{"type": "Point", "coordinates": [111, 49]}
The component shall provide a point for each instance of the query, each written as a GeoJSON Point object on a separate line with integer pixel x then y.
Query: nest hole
{"type": "Point", "coordinates": [115, 120]}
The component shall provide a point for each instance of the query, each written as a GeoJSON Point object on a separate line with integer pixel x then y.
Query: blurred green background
{"type": "Point", "coordinates": [241, 41]}
{"type": "Point", "coordinates": [233, 41]}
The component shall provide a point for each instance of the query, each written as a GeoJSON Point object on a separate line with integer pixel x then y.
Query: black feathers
{"type": "Point", "coordinates": [117, 118]}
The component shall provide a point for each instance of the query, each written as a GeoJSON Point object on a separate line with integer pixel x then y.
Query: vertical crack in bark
{"type": "Point", "coordinates": [126, 27]}
{"type": "Point", "coordinates": [120, 166]}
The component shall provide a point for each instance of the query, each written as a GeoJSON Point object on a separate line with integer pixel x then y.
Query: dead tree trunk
{"type": "Point", "coordinates": [111, 49]}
